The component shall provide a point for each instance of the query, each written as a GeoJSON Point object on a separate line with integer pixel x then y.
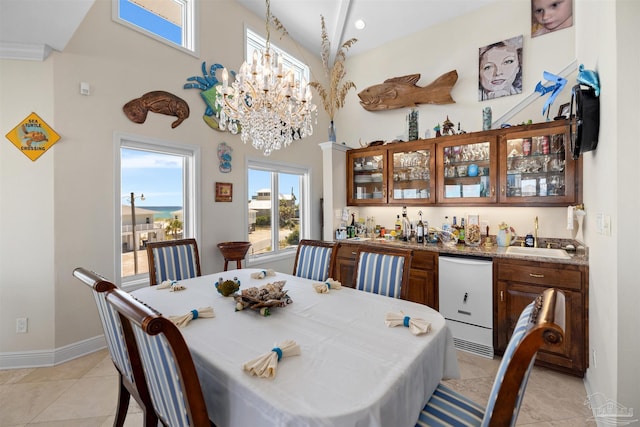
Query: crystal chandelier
{"type": "Point", "coordinates": [271, 108]}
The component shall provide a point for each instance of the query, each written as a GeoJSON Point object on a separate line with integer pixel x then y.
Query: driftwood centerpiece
{"type": "Point", "coordinates": [400, 92]}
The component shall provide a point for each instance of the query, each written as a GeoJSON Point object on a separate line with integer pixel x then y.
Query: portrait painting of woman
{"type": "Point", "coordinates": [550, 15]}
{"type": "Point", "coordinates": [500, 70]}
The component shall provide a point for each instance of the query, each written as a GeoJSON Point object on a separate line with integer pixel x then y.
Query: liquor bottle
{"type": "Point", "coordinates": [398, 226]}
{"type": "Point", "coordinates": [420, 229]}
{"type": "Point", "coordinates": [461, 231]}
{"type": "Point", "coordinates": [455, 230]}
{"type": "Point", "coordinates": [406, 225]}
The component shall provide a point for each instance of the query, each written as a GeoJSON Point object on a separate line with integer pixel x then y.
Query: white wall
{"type": "Point", "coordinates": [26, 211]}
{"type": "Point", "coordinates": [610, 177]}
{"type": "Point", "coordinates": [60, 210]}
{"type": "Point", "coordinates": [626, 165]}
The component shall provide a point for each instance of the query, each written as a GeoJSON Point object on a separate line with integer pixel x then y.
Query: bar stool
{"type": "Point", "coordinates": [234, 251]}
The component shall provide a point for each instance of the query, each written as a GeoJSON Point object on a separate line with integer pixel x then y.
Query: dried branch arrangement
{"type": "Point", "coordinates": [334, 95]}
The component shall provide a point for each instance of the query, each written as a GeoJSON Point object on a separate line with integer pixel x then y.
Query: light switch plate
{"type": "Point", "coordinates": [606, 229]}
{"type": "Point", "coordinates": [599, 222]}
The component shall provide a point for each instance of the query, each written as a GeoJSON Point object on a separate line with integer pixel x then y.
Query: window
{"type": "Point", "coordinates": [255, 42]}
{"type": "Point", "coordinates": [278, 207]}
{"type": "Point", "coordinates": [170, 21]}
{"type": "Point", "coordinates": [155, 200]}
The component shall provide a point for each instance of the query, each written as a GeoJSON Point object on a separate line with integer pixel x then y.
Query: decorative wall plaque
{"type": "Point", "coordinates": [33, 136]}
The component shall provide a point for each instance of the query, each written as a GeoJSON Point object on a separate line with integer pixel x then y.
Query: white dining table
{"type": "Point", "coordinates": [353, 370]}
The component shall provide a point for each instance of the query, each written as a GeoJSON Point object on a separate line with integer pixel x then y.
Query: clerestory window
{"type": "Point", "coordinates": [255, 42]}
{"type": "Point", "coordinates": [169, 21]}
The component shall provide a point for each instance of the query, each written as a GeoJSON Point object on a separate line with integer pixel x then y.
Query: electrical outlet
{"type": "Point", "coordinates": [21, 325]}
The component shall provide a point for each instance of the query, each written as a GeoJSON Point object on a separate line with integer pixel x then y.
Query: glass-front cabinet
{"type": "Point", "coordinates": [536, 167]}
{"type": "Point", "coordinates": [467, 170]}
{"type": "Point", "coordinates": [526, 165]}
{"type": "Point", "coordinates": [367, 176]}
{"type": "Point", "coordinates": [412, 173]}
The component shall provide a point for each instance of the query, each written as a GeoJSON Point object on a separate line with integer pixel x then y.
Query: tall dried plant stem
{"type": "Point", "coordinates": [333, 96]}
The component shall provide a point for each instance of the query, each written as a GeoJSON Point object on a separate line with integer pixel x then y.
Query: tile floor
{"type": "Point", "coordinates": [83, 393]}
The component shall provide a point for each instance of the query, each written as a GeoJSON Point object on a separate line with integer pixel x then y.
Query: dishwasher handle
{"type": "Point", "coordinates": [464, 261]}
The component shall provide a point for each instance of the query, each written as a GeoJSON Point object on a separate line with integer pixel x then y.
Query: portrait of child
{"type": "Point", "coordinates": [500, 69]}
{"type": "Point", "coordinates": [550, 15]}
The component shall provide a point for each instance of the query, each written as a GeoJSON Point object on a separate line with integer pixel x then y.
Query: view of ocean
{"type": "Point", "coordinates": [163, 212]}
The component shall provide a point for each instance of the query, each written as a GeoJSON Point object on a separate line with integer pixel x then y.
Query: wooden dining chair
{"type": "Point", "coordinates": [541, 322]}
{"type": "Point", "coordinates": [383, 270]}
{"type": "Point", "coordinates": [171, 375]}
{"type": "Point", "coordinates": [123, 352]}
{"type": "Point", "coordinates": [173, 260]}
{"type": "Point", "coordinates": [315, 259]}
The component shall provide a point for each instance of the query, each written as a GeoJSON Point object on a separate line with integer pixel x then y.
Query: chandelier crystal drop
{"type": "Point", "coordinates": [270, 107]}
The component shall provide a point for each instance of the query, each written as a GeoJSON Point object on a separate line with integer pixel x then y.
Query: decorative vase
{"type": "Point", "coordinates": [486, 118]}
{"type": "Point", "coordinates": [332, 132]}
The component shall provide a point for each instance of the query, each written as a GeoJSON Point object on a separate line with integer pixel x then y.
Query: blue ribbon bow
{"type": "Point", "coordinates": [278, 352]}
{"type": "Point", "coordinates": [328, 285]}
{"type": "Point", "coordinates": [406, 321]}
{"type": "Point", "coordinates": [195, 314]}
{"type": "Point", "coordinates": [558, 84]}
{"type": "Point", "coordinates": [589, 78]}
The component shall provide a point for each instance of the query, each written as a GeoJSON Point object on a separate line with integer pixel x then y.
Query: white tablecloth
{"type": "Point", "coordinates": [353, 370]}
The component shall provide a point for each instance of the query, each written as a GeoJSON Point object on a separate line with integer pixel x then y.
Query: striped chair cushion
{"type": "Point", "coordinates": [113, 335]}
{"type": "Point", "coordinates": [162, 377]}
{"type": "Point", "coordinates": [521, 329]}
{"type": "Point", "coordinates": [174, 262]}
{"type": "Point", "coordinates": [313, 262]}
{"type": "Point", "coordinates": [380, 274]}
{"type": "Point", "coordinates": [448, 408]}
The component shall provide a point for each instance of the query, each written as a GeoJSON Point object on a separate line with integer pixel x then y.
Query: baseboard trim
{"type": "Point", "coordinates": [44, 358]}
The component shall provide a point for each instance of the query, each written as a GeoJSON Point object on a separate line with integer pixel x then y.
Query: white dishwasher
{"type": "Point", "coordinates": [465, 287]}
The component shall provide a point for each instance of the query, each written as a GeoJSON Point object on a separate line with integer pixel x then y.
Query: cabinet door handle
{"type": "Point", "coordinates": [501, 296]}
{"type": "Point", "coordinates": [353, 253]}
{"type": "Point", "coordinates": [493, 191]}
{"type": "Point", "coordinates": [502, 190]}
{"type": "Point", "coordinates": [537, 276]}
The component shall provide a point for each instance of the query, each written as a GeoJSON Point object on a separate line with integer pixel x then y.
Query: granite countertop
{"type": "Point", "coordinates": [578, 257]}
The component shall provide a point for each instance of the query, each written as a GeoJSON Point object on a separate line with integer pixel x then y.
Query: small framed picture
{"type": "Point", "coordinates": [564, 111]}
{"type": "Point", "coordinates": [224, 192]}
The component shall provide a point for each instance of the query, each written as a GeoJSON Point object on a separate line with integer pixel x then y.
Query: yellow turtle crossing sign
{"type": "Point", "coordinates": [33, 136]}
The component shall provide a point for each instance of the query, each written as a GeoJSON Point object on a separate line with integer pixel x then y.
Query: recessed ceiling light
{"type": "Point", "coordinates": [360, 24]}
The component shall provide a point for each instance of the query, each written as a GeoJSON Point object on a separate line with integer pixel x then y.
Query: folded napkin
{"type": "Point", "coordinates": [324, 287]}
{"type": "Point", "coordinates": [262, 274]}
{"type": "Point", "coordinates": [192, 315]}
{"type": "Point", "coordinates": [416, 326]}
{"type": "Point", "coordinates": [172, 285]}
{"type": "Point", "coordinates": [265, 365]}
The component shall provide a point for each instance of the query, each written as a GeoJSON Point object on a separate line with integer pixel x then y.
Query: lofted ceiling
{"type": "Point", "coordinates": [385, 20]}
{"type": "Point", "coordinates": [30, 29]}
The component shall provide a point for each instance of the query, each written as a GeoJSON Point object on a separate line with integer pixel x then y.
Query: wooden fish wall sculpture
{"type": "Point", "coordinates": [157, 101]}
{"type": "Point", "coordinates": [399, 92]}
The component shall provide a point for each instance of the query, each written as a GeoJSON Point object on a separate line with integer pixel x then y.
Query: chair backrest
{"type": "Point", "coordinates": [315, 259]}
{"type": "Point", "coordinates": [122, 347]}
{"type": "Point", "coordinates": [173, 260]}
{"type": "Point", "coordinates": [541, 322]}
{"type": "Point", "coordinates": [170, 372]}
{"type": "Point", "coordinates": [383, 270]}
